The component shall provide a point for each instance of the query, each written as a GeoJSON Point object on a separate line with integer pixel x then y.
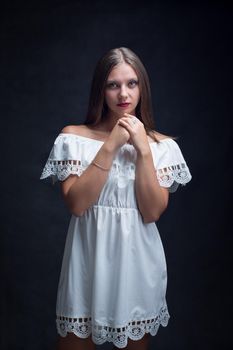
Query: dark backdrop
{"type": "Point", "coordinates": [48, 53]}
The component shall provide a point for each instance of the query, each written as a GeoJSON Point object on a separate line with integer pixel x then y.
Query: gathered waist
{"type": "Point", "coordinates": [114, 208]}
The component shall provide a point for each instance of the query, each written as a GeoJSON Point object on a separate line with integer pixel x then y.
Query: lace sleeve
{"type": "Point", "coordinates": [64, 159]}
{"type": "Point", "coordinates": [174, 175]}
{"type": "Point", "coordinates": [170, 165]}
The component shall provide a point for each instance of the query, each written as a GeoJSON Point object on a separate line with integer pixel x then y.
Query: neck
{"type": "Point", "coordinates": [110, 121]}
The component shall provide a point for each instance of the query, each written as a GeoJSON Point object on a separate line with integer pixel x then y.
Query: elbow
{"type": "Point", "coordinates": [77, 211]}
{"type": "Point", "coordinates": [75, 208]}
{"type": "Point", "coordinates": [153, 216]}
{"type": "Point", "coordinates": [147, 219]}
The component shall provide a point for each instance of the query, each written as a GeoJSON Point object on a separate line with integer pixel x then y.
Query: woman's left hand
{"type": "Point", "coordinates": [138, 136]}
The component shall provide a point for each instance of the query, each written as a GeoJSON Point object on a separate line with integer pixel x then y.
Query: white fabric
{"type": "Point", "coordinates": [113, 278]}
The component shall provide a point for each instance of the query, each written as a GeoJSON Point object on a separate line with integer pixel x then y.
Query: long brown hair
{"type": "Point", "coordinates": [97, 108]}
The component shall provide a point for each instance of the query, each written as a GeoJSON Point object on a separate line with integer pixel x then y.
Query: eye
{"type": "Point", "coordinates": [112, 85]}
{"type": "Point", "coordinates": [133, 83]}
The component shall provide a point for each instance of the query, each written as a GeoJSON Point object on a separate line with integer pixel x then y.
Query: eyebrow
{"type": "Point", "coordinates": [117, 81]}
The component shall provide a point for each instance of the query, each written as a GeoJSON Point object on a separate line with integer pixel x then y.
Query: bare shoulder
{"type": "Point", "coordinates": [159, 136]}
{"type": "Point", "coordinates": [81, 130]}
{"type": "Point", "coordinates": [85, 131]}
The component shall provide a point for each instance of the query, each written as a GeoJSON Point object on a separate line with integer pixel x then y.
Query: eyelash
{"type": "Point", "coordinates": [113, 85]}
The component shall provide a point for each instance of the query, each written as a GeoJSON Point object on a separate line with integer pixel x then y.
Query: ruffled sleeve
{"type": "Point", "coordinates": [170, 165]}
{"type": "Point", "coordinates": [64, 159]}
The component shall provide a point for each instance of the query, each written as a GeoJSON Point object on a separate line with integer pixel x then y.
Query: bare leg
{"type": "Point", "coordinates": [72, 342]}
{"type": "Point", "coordinates": [142, 344]}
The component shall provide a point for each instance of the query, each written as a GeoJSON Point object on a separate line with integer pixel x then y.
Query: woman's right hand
{"type": "Point", "coordinates": [118, 136]}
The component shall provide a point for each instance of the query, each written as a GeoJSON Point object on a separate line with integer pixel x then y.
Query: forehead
{"type": "Point", "coordinates": [122, 71]}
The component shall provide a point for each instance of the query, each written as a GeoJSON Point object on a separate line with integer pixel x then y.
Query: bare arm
{"type": "Point", "coordinates": [152, 199]}
{"type": "Point", "coordinates": [81, 192]}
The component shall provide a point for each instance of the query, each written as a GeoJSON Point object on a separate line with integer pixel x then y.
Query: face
{"type": "Point", "coordinates": [122, 90]}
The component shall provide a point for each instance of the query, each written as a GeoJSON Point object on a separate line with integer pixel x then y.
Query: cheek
{"type": "Point", "coordinates": [109, 97]}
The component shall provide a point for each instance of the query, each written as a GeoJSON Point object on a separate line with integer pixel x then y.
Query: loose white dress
{"type": "Point", "coordinates": [113, 278]}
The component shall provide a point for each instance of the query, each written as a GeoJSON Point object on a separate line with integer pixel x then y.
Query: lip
{"type": "Point", "coordinates": [123, 105]}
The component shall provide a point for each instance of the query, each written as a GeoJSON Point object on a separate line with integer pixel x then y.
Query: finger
{"type": "Point", "coordinates": [132, 118]}
{"type": "Point", "coordinates": [128, 121]}
{"type": "Point", "coordinates": [126, 125]}
{"type": "Point", "coordinates": [129, 115]}
{"type": "Point", "coordinates": [134, 122]}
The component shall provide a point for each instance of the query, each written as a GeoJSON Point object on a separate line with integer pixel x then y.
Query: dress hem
{"type": "Point", "coordinates": [134, 330]}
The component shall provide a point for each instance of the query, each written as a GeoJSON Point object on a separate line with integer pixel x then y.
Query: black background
{"type": "Point", "coordinates": [48, 53]}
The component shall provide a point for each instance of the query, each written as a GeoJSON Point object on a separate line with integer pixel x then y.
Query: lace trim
{"type": "Point", "coordinates": [135, 330]}
{"type": "Point", "coordinates": [178, 173]}
{"type": "Point", "coordinates": [166, 176]}
{"type": "Point", "coordinates": [61, 169]}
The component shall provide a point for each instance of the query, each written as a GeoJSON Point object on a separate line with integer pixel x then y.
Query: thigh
{"type": "Point", "coordinates": [72, 342]}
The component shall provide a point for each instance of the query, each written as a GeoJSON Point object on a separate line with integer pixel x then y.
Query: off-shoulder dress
{"type": "Point", "coordinates": [113, 278]}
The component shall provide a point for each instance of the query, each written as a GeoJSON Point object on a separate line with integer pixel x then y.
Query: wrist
{"type": "Point", "coordinates": [110, 146]}
{"type": "Point", "coordinates": [104, 157]}
{"type": "Point", "coordinates": [144, 152]}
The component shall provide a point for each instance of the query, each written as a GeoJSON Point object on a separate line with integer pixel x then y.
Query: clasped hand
{"type": "Point", "coordinates": [138, 137]}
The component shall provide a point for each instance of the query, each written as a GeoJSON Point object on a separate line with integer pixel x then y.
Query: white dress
{"type": "Point", "coordinates": [113, 277]}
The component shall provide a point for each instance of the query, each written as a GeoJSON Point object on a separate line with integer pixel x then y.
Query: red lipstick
{"type": "Point", "coordinates": [123, 105]}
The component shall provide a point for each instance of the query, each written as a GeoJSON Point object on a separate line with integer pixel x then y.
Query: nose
{"type": "Point", "coordinates": [123, 92]}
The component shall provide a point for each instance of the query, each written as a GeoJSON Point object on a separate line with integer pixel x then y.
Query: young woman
{"type": "Point", "coordinates": [116, 173]}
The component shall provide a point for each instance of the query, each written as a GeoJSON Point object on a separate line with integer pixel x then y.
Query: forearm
{"type": "Point", "coordinates": [85, 190]}
{"type": "Point", "coordinates": [151, 198]}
